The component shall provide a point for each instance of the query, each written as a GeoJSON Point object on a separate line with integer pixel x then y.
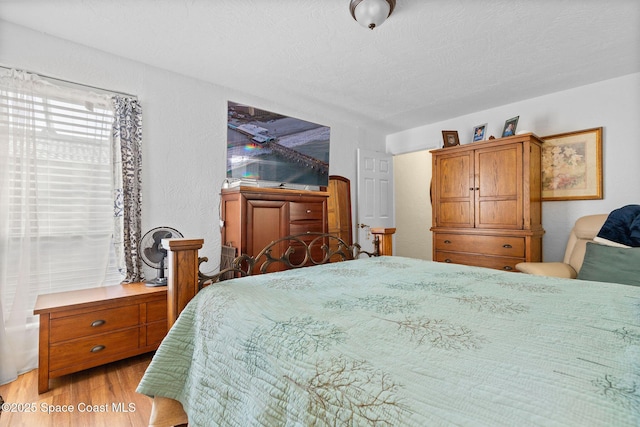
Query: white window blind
{"type": "Point", "coordinates": [58, 166]}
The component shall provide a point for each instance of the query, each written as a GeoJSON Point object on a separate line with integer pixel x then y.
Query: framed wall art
{"type": "Point", "coordinates": [479, 132]}
{"type": "Point", "coordinates": [450, 138]}
{"type": "Point", "coordinates": [572, 165]}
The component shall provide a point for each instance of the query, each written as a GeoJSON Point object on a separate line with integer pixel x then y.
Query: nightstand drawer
{"type": "Point", "coordinates": [92, 323]}
{"type": "Point", "coordinates": [157, 310]}
{"type": "Point", "coordinates": [99, 348]}
{"type": "Point", "coordinates": [488, 245]}
{"type": "Point", "coordinates": [156, 332]}
{"type": "Point", "coordinates": [301, 211]}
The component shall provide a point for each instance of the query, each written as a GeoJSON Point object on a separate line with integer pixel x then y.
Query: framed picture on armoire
{"type": "Point", "coordinates": [479, 133]}
{"type": "Point", "coordinates": [450, 138]}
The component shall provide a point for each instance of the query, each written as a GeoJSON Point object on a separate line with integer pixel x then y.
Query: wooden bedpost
{"type": "Point", "coordinates": [385, 240]}
{"type": "Point", "coordinates": [182, 276]}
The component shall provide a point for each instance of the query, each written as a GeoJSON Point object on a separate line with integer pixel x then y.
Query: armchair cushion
{"type": "Point", "coordinates": [554, 269]}
{"type": "Point", "coordinates": [611, 264]}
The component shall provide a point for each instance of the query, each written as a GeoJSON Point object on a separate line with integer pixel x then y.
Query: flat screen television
{"type": "Point", "coordinates": [272, 148]}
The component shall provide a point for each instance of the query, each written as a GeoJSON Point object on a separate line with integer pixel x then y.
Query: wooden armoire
{"type": "Point", "coordinates": [487, 202]}
{"type": "Point", "coordinates": [339, 208]}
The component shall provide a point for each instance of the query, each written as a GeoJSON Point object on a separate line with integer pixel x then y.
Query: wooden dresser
{"type": "Point", "coordinates": [487, 202]}
{"type": "Point", "coordinates": [253, 217]}
{"type": "Point", "coordinates": [90, 327]}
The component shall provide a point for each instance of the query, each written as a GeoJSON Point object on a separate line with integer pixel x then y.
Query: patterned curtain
{"type": "Point", "coordinates": [127, 152]}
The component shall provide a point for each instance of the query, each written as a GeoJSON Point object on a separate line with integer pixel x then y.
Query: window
{"type": "Point", "coordinates": [57, 190]}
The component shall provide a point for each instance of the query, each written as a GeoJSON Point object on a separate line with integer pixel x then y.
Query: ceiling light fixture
{"type": "Point", "coordinates": [371, 13]}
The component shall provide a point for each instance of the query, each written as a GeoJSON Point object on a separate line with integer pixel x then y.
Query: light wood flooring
{"type": "Point", "coordinates": [110, 387]}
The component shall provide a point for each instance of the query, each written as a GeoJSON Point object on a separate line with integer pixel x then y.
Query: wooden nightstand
{"type": "Point", "coordinates": [90, 327]}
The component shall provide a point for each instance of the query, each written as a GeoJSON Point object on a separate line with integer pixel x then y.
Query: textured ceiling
{"type": "Point", "coordinates": [431, 60]}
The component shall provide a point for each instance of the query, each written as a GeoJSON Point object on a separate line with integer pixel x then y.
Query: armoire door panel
{"type": "Point", "coordinates": [499, 187]}
{"type": "Point", "coordinates": [492, 168]}
{"type": "Point", "coordinates": [498, 214]}
{"type": "Point", "coordinates": [455, 177]}
{"type": "Point", "coordinates": [493, 165]}
{"type": "Point", "coordinates": [455, 214]}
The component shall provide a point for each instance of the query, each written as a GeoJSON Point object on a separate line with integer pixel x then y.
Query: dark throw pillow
{"type": "Point", "coordinates": [611, 264]}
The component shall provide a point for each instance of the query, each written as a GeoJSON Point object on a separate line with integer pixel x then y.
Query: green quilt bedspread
{"type": "Point", "coordinates": [394, 341]}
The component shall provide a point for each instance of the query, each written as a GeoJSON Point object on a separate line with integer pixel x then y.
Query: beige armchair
{"type": "Point", "coordinates": [584, 230]}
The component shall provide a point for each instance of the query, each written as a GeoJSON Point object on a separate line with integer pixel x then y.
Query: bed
{"type": "Point", "coordinates": [394, 341]}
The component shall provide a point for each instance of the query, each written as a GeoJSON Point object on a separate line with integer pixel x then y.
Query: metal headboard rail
{"type": "Point", "coordinates": [321, 243]}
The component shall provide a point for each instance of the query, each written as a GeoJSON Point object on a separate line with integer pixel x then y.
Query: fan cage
{"type": "Point", "coordinates": [147, 239]}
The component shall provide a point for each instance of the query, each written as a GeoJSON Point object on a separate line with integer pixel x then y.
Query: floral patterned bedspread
{"type": "Point", "coordinates": [394, 341]}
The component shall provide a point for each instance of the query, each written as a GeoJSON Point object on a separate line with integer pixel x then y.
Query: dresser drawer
{"type": "Point", "coordinates": [498, 263]}
{"type": "Point", "coordinates": [316, 251]}
{"type": "Point", "coordinates": [299, 211]}
{"type": "Point", "coordinates": [309, 227]}
{"type": "Point", "coordinates": [99, 348]}
{"type": "Point", "coordinates": [489, 245]}
{"type": "Point", "coordinates": [92, 323]}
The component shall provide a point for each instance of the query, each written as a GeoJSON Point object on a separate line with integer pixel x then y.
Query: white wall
{"type": "Point", "coordinates": [613, 104]}
{"type": "Point", "coordinates": [412, 178]}
{"type": "Point", "coordinates": [184, 128]}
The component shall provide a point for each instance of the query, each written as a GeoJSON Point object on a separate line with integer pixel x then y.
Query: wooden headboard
{"type": "Point", "coordinates": [184, 278]}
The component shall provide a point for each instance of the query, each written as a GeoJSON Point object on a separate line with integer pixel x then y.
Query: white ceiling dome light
{"type": "Point", "coordinates": [371, 13]}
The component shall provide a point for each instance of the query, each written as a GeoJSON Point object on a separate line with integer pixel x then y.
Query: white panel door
{"type": "Point", "coordinates": [375, 194]}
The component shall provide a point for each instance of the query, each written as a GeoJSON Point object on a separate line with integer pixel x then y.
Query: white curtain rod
{"type": "Point", "coordinates": [70, 82]}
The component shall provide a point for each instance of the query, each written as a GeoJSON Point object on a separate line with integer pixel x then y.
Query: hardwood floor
{"type": "Point", "coordinates": [102, 396]}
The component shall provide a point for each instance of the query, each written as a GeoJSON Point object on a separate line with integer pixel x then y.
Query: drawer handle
{"type": "Point", "coordinates": [507, 246]}
{"type": "Point", "coordinates": [98, 348]}
{"type": "Point", "coordinates": [447, 260]}
{"type": "Point", "coordinates": [508, 268]}
{"type": "Point", "coordinates": [308, 210]}
{"type": "Point", "coordinates": [97, 323]}
{"type": "Point", "coordinates": [447, 241]}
